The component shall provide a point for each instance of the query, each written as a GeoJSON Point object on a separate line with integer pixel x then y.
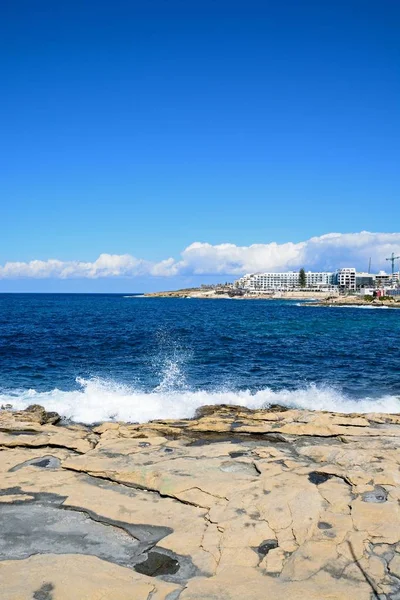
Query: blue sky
{"type": "Point", "coordinates": [140, 128]}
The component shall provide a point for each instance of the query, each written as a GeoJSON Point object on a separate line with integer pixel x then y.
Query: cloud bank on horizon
{"type": "Point", "coordinates": [326, 252]}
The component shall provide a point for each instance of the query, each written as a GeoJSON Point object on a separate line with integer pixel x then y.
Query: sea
{"type": "Point", "coordinates": [96, 357]}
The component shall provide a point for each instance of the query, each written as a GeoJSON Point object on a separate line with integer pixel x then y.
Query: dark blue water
{"type": "Point", "coordinates": [96, 356]}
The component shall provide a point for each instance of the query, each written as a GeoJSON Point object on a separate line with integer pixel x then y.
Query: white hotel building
{"type": "Point", "coordinates": [346, 278]}
{"type": "Point", "coordinates": [262, 282]}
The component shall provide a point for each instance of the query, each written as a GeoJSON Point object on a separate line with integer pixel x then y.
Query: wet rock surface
{"type": "Point", "coordinates": [232, 504]}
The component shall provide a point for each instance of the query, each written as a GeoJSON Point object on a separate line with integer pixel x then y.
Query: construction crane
{"type": "Point", "coordinates": [392, 259]}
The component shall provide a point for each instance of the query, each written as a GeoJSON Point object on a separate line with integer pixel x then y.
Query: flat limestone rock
{"type": "Point", "coordinates": [33, 414]}
{"type": "Point", "coordinates": [229, 505]}
{"type": "Point", "coordinates": [67, 577]}
{"type": "Point", "coordinates": [36, 428]}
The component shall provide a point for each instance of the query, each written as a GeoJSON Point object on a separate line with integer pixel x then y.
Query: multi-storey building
{"type": "Point", "coordinates": [261, 282]}
{"type": "Point", "coordinates": [365, 280]}
{"type": "Point", "coordinates": [345, 278]}
{"type": "Point", "coordinates": [382, 278]}
{"type": "Point", "coordinates": [371, 280]}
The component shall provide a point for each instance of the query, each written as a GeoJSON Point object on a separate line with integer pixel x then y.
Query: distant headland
{"type": "Point", "coordinates": [345, 286]}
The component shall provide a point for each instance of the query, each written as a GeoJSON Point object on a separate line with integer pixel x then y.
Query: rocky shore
{"type": "Point", "coordinates": [231, 505]}
{"type": "Point", "coordinates": [233, 294]}
{"type": "Point", "coordinates": [391, 302]}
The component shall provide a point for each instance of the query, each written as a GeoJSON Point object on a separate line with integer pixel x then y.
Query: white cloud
{"type": "Point", "coordinates": [324, 252]}
{"type": "Point", "coordinates": [107, 265]}
{"type": "Point", "coordinates": [328, 252]}
{"type": "Point", "coordinates": [165, 268]}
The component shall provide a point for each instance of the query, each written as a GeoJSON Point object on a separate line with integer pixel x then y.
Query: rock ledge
{"type": "Point", "coordinates": [232, 504]}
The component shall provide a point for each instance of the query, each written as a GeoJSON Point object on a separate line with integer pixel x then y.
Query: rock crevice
{"type": "Point", "coordinates": [244, 503]}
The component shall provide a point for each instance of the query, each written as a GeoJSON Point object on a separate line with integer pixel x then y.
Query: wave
{"type": "Point", "coordinates": [305, 302]}
{"type": "Point", "coordinates": [99, 400]}
{"type": "Point", "coordinates": [375, 307]}
{"type": "Point", "coordinates": [361, 306]}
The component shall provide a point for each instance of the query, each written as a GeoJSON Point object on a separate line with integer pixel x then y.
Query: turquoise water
{"type": "Point", "coordinates": [93, 357]}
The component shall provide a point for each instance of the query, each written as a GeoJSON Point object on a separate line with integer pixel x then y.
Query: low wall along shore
{"type": "Point", "coordinates": [231, 505]}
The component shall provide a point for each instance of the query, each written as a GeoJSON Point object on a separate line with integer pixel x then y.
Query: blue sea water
{"type": "Point", "coordinates": [96, 357]}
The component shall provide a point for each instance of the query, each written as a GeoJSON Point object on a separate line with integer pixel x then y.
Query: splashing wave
{"type": "Point", "coordinates": [100, 400]}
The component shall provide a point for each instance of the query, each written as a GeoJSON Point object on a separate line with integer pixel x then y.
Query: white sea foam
{"type": "Point", "coordinates": [100, 400]}
{"type": "Point", "coordinates": [362, 306]}
{"type": "Point", "coordinates": [359, 306]}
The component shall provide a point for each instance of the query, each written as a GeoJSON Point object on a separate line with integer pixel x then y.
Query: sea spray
{"type": "Point", "coordinates": [101, 400]}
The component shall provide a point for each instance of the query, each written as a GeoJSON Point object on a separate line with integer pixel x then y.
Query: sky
{"type": "Point", "coordinates": [158, 144]}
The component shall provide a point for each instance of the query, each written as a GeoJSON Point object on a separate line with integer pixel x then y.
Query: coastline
{"type": "Point", "coordinates": [216, 295]}
{"type": "Point", "coordinates": [325, 299]}
{"type": "Point", "coordinates": [228, 504]}
{"type": "Point", "coordinates": [359, 301]}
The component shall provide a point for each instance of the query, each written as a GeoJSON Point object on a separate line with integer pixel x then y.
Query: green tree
{"type": "Point", "coordinates": [302, 278]}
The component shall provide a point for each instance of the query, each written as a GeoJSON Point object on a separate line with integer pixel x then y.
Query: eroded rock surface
{"type": "Point", "coordinates": [233, 504]}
